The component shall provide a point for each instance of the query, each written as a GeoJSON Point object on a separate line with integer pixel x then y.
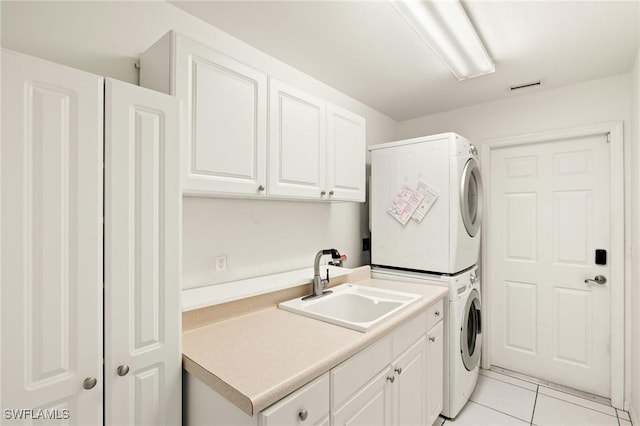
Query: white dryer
{"type": "Point", "coordinates": [447, 240]}
{"type": "Point", "coordinates": [463, 330]}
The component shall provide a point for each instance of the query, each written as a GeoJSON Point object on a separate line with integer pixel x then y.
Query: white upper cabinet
{"type": "Point", "coordinates": [346, 145]}
{"type": "Point", "coordinates": [316, 151]}
{"type": "Point", "coordinates": [297, 147]}
{"type": "Point", "coordinates": [224, 116]}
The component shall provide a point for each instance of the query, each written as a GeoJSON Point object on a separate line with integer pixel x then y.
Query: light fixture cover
{"type": "Point", "coordinates": [446, 28]}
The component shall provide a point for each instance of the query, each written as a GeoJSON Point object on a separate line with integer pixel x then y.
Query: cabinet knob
{"type": "Point", "coordinates": [123, 370]}
{"type": "Point", "coordinates": [432, 338]}
{"type": "Point", "coordinates": [261, 188]}
{"type": "Point", "coordinates": [391, 379]}
{"type": "Point", "coordinates": [303, 414]}
{"type": "Point", "coordinates": [323, 193]}
{"type": "Point", "coordinates": [331, 192]}
{"type": "Point", "coordinates": [437, 313]}
{"type": "Point", "coordinates": [398, 370]}
{"type": "Point", "coordinates": [90, 383]}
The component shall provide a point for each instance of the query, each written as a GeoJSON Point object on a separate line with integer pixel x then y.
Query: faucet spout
{"type": "Point", "coordinates": [318, 282]}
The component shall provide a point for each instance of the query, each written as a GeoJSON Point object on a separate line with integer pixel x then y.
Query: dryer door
{"type": "Point", "coordinates": [471, 197]}
{"type": "Point", "coordinates": [471, 334]}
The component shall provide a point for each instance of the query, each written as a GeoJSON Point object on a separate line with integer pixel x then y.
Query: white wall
{"type": "Point", "coordinates": [597, 101]}
{"type": "Point", "coordinates": [635, 237]}
{"type": "Point", "coordinates": [259, 237]}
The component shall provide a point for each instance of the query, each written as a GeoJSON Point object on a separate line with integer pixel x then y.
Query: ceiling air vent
{"type": "Point", "coordinates": [525, 85]}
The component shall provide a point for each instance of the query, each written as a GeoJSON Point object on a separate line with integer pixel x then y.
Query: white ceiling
{"type": "Point", "coordinates": [366, 50]}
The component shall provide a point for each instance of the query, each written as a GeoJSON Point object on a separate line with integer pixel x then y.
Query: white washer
{"type": "Point", "coordinates": [447, 240]}
{"type": "Point", "coordinates": [463, 330]}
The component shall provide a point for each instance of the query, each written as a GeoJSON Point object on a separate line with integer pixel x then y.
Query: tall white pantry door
{"type": "Point", "coordinates": [51, 242]}
{"type": "Point", "coordinates": [142, 252]}
{"type": "Point", "coordinates": [550, 204]}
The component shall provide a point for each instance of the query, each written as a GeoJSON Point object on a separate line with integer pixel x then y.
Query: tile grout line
{"type": "Point", "coordinates": [535, 401]}
{"type": "Point", "coordinates": [512, 384]}
{"type": "Point", "coordinates": [618, 417]}
{"type": "Point", "coordinates": [498, 411]}
{"type": "Point", "coordinates": [582, 406]}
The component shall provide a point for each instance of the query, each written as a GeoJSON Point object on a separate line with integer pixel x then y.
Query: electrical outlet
{"type": "Point", "coordinates": [221, 263]}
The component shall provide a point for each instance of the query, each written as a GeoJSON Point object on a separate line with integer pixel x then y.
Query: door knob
{"type": "Point", "coordinates": [122, 370]}
{"type": "Point", "coordinates": [598, 279]}
{"type": "Point", "coordinates": [89, 383]}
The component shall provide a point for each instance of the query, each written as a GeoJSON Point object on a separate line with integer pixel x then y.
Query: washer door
{"type": "Point", "coordinates": [471, 197]}
{"type": "Point", "coordinates": [471, 332]}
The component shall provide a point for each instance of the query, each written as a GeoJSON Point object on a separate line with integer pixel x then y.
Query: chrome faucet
{"type": "Point", "coordinates": [318, 282]}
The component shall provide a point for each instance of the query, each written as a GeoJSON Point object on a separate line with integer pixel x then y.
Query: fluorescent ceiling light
{"type": "Point", "coordinates": [446, 28]}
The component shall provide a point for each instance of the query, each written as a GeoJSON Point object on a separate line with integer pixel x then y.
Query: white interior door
{"type": "Point", "coordinates": [51, 240]}
{"type": "Point", "coordinates": [142, 257]}
{"type": "Point", "coordinates": [550, 206]}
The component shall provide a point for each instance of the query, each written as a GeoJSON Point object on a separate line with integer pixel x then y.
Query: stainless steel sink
{"type": "Point", "coordinates": [352, 306]}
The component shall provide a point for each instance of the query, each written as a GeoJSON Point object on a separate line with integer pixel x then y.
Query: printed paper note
{"type": "Point", "coordinates": [429, 197]}
{"type": "Point", "coordinates": [404, 204]}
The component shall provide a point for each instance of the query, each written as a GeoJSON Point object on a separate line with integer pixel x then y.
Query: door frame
{"type": "Point", "coordinates": [615, 132]}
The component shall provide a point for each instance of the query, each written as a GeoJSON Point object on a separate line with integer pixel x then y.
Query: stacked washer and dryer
{"type": "Point", "coordinates": [439, 248]}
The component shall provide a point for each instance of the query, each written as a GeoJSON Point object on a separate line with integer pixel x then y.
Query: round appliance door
{"type": "Point", "coordinates": [471, 197]}
{"type": "Point", "coordinates": [471, 332]}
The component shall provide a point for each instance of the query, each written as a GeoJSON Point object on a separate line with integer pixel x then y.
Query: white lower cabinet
{"type": "Point", "coordinates": [410, 385]}
{"type": "Point", "coordinates": [308, 405]}
{"type": "Point", "coordinates": [90, 283]}
{"type": "Point", "coordinates": [370, 405]}
{"type": "Point", "coordinates": [435, 372]}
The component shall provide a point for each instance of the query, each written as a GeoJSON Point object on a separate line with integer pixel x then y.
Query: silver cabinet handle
{"type": "Point", "coordinates": [598, 279]}
{"type": "Point", "coordinates": [398, 370]}
{"type": "Point", "coordinates": [123, 370]}
{"type": "Point", "coordinates": [391, 379]}
{"type": "Point", "coordinates": [303, 414]}
{"type": "Point", "coordinates": [90, 383]}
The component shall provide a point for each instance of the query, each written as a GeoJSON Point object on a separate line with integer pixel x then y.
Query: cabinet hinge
{"type": "Point", "coordinates": [608, 137]}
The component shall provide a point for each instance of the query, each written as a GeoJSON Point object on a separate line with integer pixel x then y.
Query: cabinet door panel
{"type": "Point", "coordinates": [435, 369]}
{"type": "Point", "coordinates": [142, 250]}
{"type": "Point", "coordinates": [409, 389]}
{"type": "Point", "coordinates": [225, 121]}
{"type": "Point", "coordinates": [297, 146]}
{"type": "Point", "coordinates": [346, 144]}
{"type": "Point", "coordinates": [51, 238]}
{"type": "Point", "coordinates": [370, 406]}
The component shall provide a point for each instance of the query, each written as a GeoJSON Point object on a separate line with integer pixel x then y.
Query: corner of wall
{"type": "Point", "coordinates": [634, 403]}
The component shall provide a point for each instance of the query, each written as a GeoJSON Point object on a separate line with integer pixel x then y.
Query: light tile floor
{"type": "Point", "coordinates": [500, 400]}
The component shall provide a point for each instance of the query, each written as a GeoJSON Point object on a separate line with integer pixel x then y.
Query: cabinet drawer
{"type": "Point", "coordinates": [311, 401]}
{"type": "Point", "coordinates": [408, 333]}
{"type": "Point", "coordinates": [355, 372]}
{"type": "Point", "coordinates": [435, 313]}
